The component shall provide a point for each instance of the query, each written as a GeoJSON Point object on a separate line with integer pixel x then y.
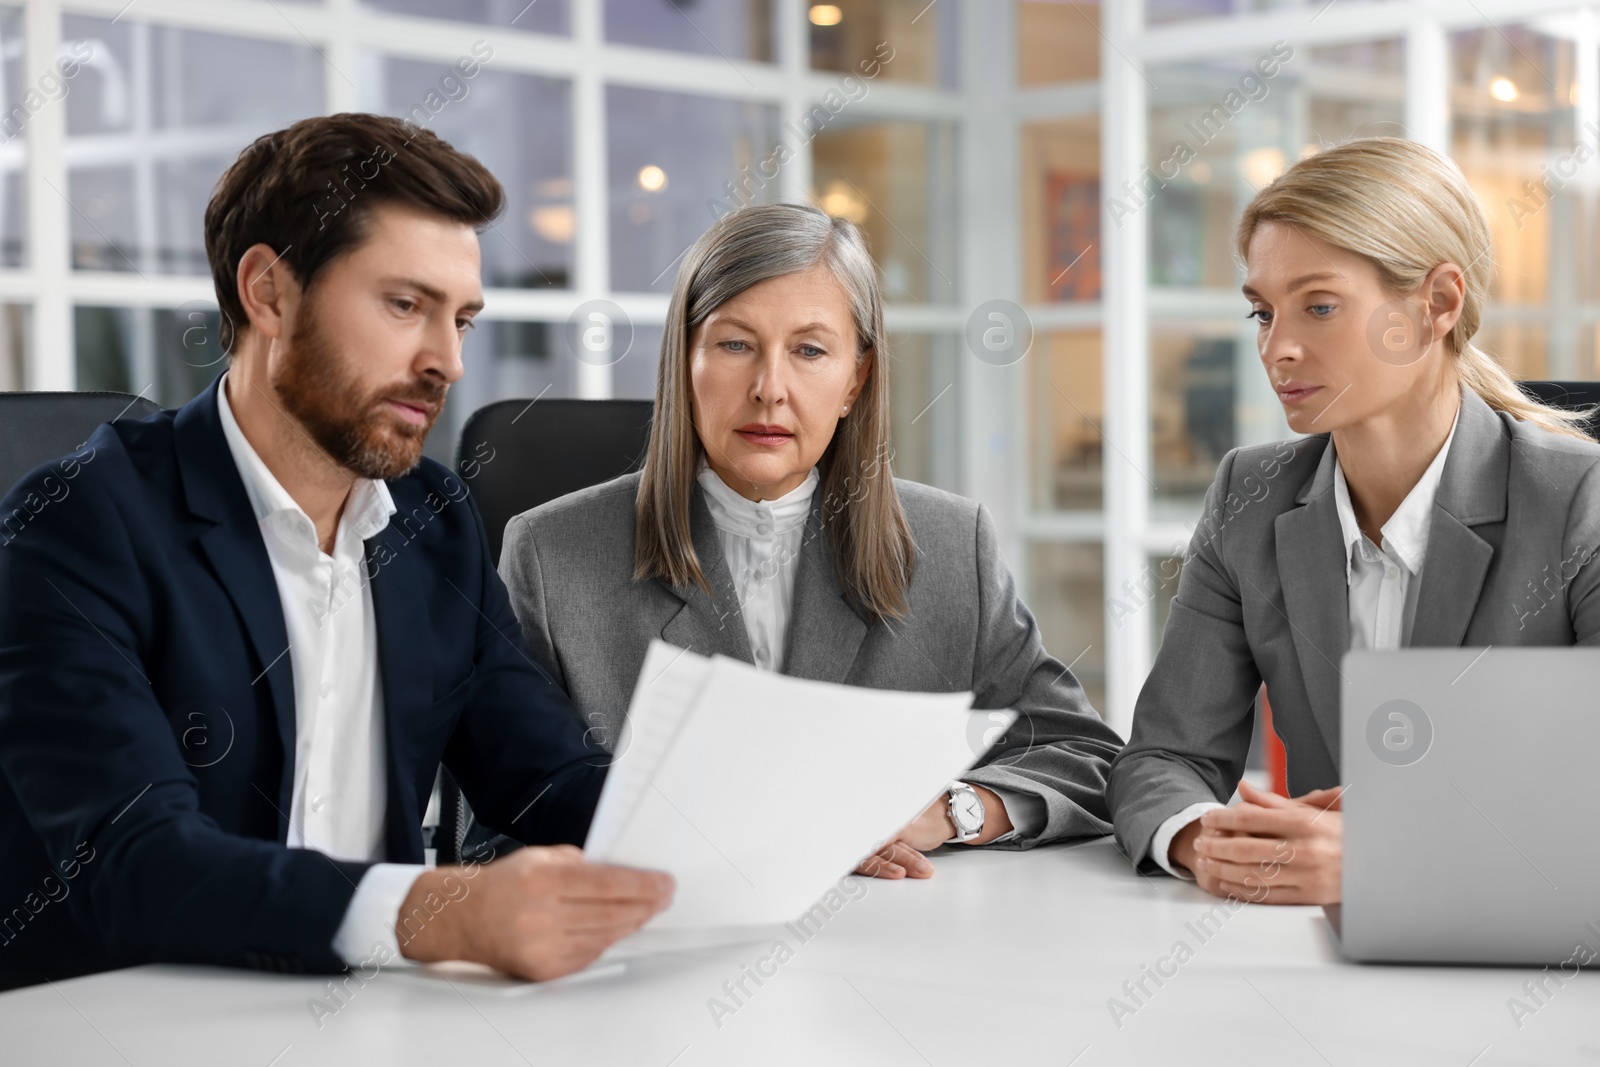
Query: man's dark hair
{"type": "Point", "coordinates": [308, 191]}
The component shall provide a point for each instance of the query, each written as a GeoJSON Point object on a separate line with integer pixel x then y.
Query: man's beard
{"type": "Point", "coordinates": [356, 428]}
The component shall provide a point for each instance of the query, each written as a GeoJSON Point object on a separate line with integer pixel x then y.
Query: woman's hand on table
{"type": "Point", "coordinates": [902, 856]}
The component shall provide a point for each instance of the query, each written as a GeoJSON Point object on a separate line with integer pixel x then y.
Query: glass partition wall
{"type": "Point", "coordinates": [1049, 188]}
{"type": "Point", "coordinates": [620, 128]}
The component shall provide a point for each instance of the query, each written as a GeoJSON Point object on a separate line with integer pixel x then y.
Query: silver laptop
{"type": "Point", "coordinates": [1472, 813]}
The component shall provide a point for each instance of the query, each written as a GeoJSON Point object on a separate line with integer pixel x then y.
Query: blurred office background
{"type": "Point", "coordinates": [996, 152]}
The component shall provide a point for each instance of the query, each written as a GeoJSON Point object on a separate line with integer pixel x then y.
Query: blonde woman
{"type": "Point", "coordinates": [766, 526]}
{"type": "Point", "coordinates": [1430, 496]}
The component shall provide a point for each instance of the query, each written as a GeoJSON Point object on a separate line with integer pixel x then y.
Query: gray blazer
{"type": "Point", "coordinates": [569, 567]}
{"type": "Point", "coordinates": [1263, 597]}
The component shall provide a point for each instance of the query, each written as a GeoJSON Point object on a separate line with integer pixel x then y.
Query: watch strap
{"type": "Point", "coordinates": [964, 835]}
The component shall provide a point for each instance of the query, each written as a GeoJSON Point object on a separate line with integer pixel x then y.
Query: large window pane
{"type": "Point", "coordinates": [925, 408]}
{"type": "Point", "coordinates": [154, 119]}
{"type": "Point", "coordinates": [168, 355]}
{"type": "Point", "coordinates": [1067, 596]}
{"type": "Point", "coordinates": [1197, 374]}
{"type": "Point", "coordinates": [517, 125]}
{"type": "Point", "coordinates": [104, 227]}
{"type": "Point", "coordinates": [901, 40]}
{"type": "Point", "coordinates": [633, 375]}
{"type": "Point", "coordinates": [1157, 12]}
{"type": "Point", "coordinates": [17, 109]}
{"type": "Point", "coordinates": [16, 333]}
{"type": "Point", "coordinates": [676, 163]}
{"type": "Point", "coordinates": [1513, 96]}
{"type": "Point", "coordinates": [1057, 42]}
{"type": "Point", "coordinates": [1066, 416]}
{"type": "Point", "coordinates": [732, 29]}
{"type": "Point", "coordinates": [896, 180]}
{"type": "Point", "coordinates": [1061, 210]}
{"type": "Point", "coordinates": [1220, 130]}
{"type": "Point", "coordinates": [544, 16]}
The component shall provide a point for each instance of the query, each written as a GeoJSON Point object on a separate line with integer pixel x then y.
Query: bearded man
{"type": "Point", "coordinates": [234, 657]}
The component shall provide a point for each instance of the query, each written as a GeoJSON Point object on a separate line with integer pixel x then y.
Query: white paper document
{"type": "Point", "coordinates": [757, 791]}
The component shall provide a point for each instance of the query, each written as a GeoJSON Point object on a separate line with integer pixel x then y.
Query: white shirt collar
{"type": "Point", "coordinates": [734, 514]}
{"type": "Point", "coordinates": [366, 510]}
{"type": "Point", "coordinates": [1405, 535]}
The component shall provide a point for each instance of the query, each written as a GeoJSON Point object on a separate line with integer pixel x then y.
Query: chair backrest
{"type": "Point", "coordinates": [517, 454]}
{"type": "Point", "coordinates": [37, 427]}
{"type": "Point", "coordinates": [1571, 395]}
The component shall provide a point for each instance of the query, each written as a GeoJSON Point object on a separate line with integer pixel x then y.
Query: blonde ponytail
{"type": "Point", "coordinates": [1484, 375]}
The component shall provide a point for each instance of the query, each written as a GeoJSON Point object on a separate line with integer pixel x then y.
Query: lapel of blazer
{"type": "Point", "coordinates": [396, 575]}
{"type": "Point", "coordinates": [1311, 558]}
{"type": "Point", "coordinates": [825, 633]}
{"type": "Point", "coordinates": [707, 623]}
{"type": "Point", "coordinates": [214, 491]}
{"type": "Point", "coordinates": [1472, 491]}
{"type": "Point", "coordinates": [1311, 572]}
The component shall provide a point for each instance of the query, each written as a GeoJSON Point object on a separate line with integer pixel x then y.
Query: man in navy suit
{"type": "Point", "coordinates": [234, 653]}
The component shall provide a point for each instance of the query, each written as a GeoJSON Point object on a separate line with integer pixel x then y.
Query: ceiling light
{"type": "Point", "coordinates": [652, 179]}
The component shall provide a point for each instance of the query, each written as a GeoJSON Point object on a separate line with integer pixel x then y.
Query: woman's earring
{"type": "Point", "coordinates": [846, 410]}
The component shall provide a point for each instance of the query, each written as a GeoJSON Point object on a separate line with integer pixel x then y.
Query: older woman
{"type": "Point", "coordinates": [766, 526]}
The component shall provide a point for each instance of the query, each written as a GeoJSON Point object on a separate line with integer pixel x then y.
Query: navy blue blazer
{"type": "Point", "coordinates": [147, 720]}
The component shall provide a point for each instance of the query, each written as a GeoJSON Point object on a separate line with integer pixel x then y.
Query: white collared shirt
{"type": "Point", "coordinates": [338, 805]}
{"type": "Point", "coordinates": [761, 542]}
{"type": "Point", "coordinates": [1383, 581]}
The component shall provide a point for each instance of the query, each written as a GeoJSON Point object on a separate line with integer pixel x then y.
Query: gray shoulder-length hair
{"type": "Point", "coordinates": [865, 527]}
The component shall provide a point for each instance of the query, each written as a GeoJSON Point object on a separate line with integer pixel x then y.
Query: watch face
{"type": "Point", "coordinates": [968, 811]}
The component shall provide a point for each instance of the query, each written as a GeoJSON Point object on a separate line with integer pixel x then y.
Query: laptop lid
{"type": "Point", "coordinates": [1472, 813]}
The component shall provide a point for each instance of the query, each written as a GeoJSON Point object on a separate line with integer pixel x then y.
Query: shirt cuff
{"type": "Point", "coordinates": [366, 937]}
{"type": "Point", "coordinates": [1161, 844]}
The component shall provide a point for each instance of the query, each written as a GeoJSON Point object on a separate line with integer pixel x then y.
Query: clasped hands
{"type": "Point", "coordinates": [1268, 849]}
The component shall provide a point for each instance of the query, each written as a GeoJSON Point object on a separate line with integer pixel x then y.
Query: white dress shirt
{"type": "Point", "coordinates": [1383, 592]}
{"type": "Point", "coordinates": [761, 541]}
{"type": "Point", "coordinates": [339, 801]}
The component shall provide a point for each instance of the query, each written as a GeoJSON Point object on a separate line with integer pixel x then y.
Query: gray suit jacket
{"type": "Point", "coordinates": [569, 566]}
{"type": "Point", "coordinates": [1263, 597]}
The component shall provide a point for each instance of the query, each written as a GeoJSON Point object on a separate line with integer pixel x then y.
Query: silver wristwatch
{"type": "Point", "coordinates": [966, 811]}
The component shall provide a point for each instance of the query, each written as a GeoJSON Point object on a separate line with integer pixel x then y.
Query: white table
{"type": "Point", "coordinates": [1000, 958]}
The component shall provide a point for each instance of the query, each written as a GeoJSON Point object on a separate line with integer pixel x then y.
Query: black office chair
{"type": "Point", "coordinates": [515, 455]}
{"type": "Point", "coordinates": [38, 427]}
{"type": "Point", "coordinates": [1574, 396]}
